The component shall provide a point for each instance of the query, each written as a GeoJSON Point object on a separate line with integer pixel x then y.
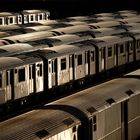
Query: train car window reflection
{"type": "Point", "coordinates": [130, 46]}
{"type": "Point", "coordinates": [63, 64]}
{"type": "Point", "coordinates": [80, 59]}
{"type": "Point", "coordinates": [0, 80]}
{"type": "Point", "coordinates": [21, 75]}
{"type": "Point", "coordinates": [109, 51]}
{"type": "Point", "coordinates": [92, 55]}
{"type": "Point", "coordinates": [121, 48]}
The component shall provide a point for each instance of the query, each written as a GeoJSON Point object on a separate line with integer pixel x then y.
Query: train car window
{"type": "Point", "coordinates": [86, 57]}
{"type": "Point", "coordinates": [31, 18]}
{"type": "Point", "coordinates": [138, 44]}
{"type": "Point", "coordinates": [121, 48]}
{"type": "Point", "coordinates": [63, 64]}
{"type": "Point", "coordinates": [40, 17]}
{"type": "Point", "coordinates": [0, 80]}
{"type": "Point", "coordinates": [79, 59]}
{"type": "Point", "coordinates": [39, 73]}
{"type": "Point", "coordinates": [20, 19]}
{"type": "Point", "coordinates": [21, 75]}
{"type": "Point", "coordinates": [0, 21]}
{"type": "Point", "coordinates": [109, 51]}
{"type": "Point", "coordinates": [131, 46]}
{"type": "Point", "coordinates": [53, 66]}
{"type": "Point", "coordinates": [11, 20]}
{"type": "Point", "coordinates": [30, 72]}
{"type": "Point", "coordinates": [74, 129]}
{"type": "Point", "coordinates": [92, 55]}
{"type": "Point", "coordinates": [7, 78]}
{"type": "Point", "coordinates": [94, 124]}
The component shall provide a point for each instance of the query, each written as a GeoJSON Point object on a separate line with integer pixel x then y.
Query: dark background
{"type": "Point", "coordinates": [65, 8]}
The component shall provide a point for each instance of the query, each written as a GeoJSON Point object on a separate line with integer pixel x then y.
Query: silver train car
{"type": "Point", "coordinates": [23, 17]}
{"type": "Point", "coordinates": [106, 111]}
{"type": "Point", "coordinates": [66, 66]}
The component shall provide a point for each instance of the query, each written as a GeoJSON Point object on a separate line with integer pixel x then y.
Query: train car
{"type": "Point", "coordinates": [83, 60]}
{"type": "Point", "coordinates": [45, 126]}
{"type": "Point", "coordinates": [106, 111]}
{"type": "Point", "coordinates": [7, 18]}
{"type": "Point", "coordinates": [31, 16]}
{"type": "Point", "coordinates": [24, 17]}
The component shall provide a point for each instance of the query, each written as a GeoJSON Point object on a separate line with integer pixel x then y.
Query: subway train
{"type": "Point", "coordinates": [24, 17]}
{"type": "Point", "coordinates": [57, 68]}
{"type": "Point", "coordinates": [108, 111]}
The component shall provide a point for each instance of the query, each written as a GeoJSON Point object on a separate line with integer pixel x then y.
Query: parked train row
{"type": "Point", "coordinates": [49, 67]}
{"type": "Point", "coordinates": [63, 66]}
{"type": "Point", "coordinates": [23, 17]}
{"type": "Point", "coordinates": [107, 111]}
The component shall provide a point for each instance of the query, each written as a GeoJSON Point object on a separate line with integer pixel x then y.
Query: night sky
{"type": "Point", "coordinates": [64, 8]}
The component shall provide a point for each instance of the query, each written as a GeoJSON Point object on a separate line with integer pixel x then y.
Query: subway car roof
{"type": "Point", "coordinates": [105, 24]}
{"type": "Point", "coordinates": [104, 41]}
{"type": "Point", "coordinates": [100, 97]}
{"type": "Point", "coordinates": [30, 36]}
{"type": "Point", "coordinates": [11, 49]}
{"type": "Point", "coordinates": [12, 62]}
{"type": "Point", "coordinates": [37, 124]}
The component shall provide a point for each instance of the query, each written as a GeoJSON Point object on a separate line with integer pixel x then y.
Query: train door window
{"type": "Point", "coordinates": [25, 18]}
{"type": "Point", "coordinates": [40, 17]}
{"type": "Point", "coordinates": [138, 44]}
{"type": "Point", "coordinates": [53, 66]}
{"type": "Point", "coordinates": [79, 59]}
{"type": "Point", "coordinates": [31, 72]}
{"type": "Point", "coordinates": [109, 51]}
{"type": "Point", "coordinates": [130, 46]}
{"type": "Point", "coordinates": [0, 80]}
{"type": "Point", "coordinates": [8, 78]}
{"type": "Point", "coordinates": [39, 72]}
{"type": "Point", "coordinates": [21, 75]}
{"type": "Point", "coordinates": [86, 57]}
{"type": "Point", "coordinates": [94, 123]}
{"type": "Point", "coordinates": [121, 48]}
{"type": "Point", "coordinates": [92, 56]}
{"type": "Point", "coordinates": [70, 61]}
{"type": "Point", "coordinates": [63, 64]}
{"type": "Point", "coordinates": [31, 18]}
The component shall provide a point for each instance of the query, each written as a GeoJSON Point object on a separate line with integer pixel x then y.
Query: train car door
{"type": "Point", "coordinates": [103, 59]}
{"type": "Point", "coordinates": [71, 67]}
